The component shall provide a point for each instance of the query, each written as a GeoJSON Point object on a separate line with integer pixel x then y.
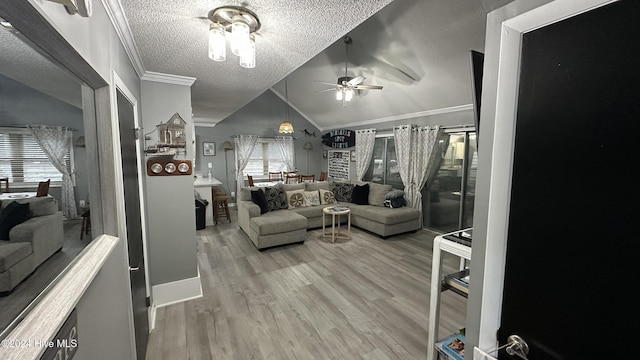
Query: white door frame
{"type": "Point", "coordinates": [503, 148]}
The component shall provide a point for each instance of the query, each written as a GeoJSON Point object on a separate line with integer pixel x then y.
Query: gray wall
{"type": "Point", "coordinates": [170, 202]}
{"type": "Point", "coordinates": [261, 117]}
{"type": "Point", "coordinates": [21, 105]}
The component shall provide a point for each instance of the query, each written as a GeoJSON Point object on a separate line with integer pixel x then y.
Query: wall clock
{"type": "Point", "coordinates": [166, 166]}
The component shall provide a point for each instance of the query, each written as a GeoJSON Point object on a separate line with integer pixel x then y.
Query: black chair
{"type": "Point", "coordinates": [43, 188]}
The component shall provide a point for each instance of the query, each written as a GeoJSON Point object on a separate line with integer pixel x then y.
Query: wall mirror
{"type": "Point", "coordinates": [36, 90]}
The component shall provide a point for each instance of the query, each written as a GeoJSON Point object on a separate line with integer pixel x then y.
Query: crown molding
{"type": "Point", "coordinates": [121, 25]}
{"type": "Point", "coordinates": [203, 124]}
{"type": "Point", "coordinates": [168, 78]}
{"type": "Point", "coordinates": [414, 115]}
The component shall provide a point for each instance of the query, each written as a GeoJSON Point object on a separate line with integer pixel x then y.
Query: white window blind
{"type": "Point", "coordinates": [23, 161]}
{"type": "Point", "coordinates": [264, 158]}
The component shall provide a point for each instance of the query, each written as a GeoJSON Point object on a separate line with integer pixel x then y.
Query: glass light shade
{"type": "Point", "coordinates": [286, 128]}
{"type": "Point", "coordinates": [239, 34]}
{"type": "Point", "coordinates": [248, 54]}
{"type": "Point", "coordinates": [339, 94]}
{"type": "Point", "coordinates": [348, 94]}
{"type": "Point", "coordinates": [217, 43]}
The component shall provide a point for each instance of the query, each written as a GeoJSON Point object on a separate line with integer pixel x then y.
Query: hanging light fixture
{"type": "Point", "coordinates": [286, 127]}
{"type": "Point", "coordinates": [238, 25]}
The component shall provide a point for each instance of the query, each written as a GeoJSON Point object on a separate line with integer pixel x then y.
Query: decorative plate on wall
{"type": "Point", "coordinates": [165, 166]}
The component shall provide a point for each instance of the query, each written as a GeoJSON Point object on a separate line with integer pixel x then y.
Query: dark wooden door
{"type": "Point", "coordinates": [134, 226]}
{"type": "Point", "coordinates": [575, 195]}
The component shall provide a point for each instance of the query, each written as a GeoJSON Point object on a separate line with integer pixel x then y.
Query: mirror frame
{"type": "Point", "coordinates": [97, 120]}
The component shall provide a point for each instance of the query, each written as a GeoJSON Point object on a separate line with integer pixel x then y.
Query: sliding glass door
{"type": "Point", "coordinates": [384, 165]}
{"type": "Point", "coordinates": [448, 198]}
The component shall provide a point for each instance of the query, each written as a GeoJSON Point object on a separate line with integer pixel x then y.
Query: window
{"type": "Point", "coordinates": [384, 166]}
{"type": "Point", "coordinates": [264, 158]}
{"type": "Point", "coordinates": [23, 161]}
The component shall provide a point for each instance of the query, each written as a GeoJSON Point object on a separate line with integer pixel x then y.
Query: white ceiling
{"type": "Point", "coordinates": [416, 49]}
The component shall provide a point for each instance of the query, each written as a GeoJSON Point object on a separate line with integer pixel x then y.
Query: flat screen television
{"type": "Point", "coordinates": [476, 60]}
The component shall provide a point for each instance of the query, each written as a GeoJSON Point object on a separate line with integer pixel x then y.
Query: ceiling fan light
{"type": "Point", "coordinates": [217, 43]}
{"type": "Point", "coordinates": [339, 94]}
{"type": "Point", "coordinates": [348, 94]}
{"type": "Point", "coordinates": [248, 54]}
{"type": "Point", "coordinates": [239, 34]}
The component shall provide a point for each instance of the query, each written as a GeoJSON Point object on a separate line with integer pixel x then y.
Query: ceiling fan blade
{"type": "Point", "coordinates": [356, 80]}
{"type": "Point", "coordinates": [326, 83]}
{"type": "Point", "coordinates": [325, 90]}
{"type": "Point", "coordinates": [368, 87]}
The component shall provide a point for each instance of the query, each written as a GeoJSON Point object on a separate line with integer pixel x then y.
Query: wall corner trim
{"type": "Point", "coordinates": [121, 25]}
{"type": "Point", "coordinates": [168, 78]}
{"type": "Point", "coordinates": [176, 291]}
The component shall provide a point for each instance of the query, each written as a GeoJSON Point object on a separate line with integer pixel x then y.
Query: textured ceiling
{"type": "Point", "coordinates": [20, 62]}
{"type": "Point", "coordinates": [171, 37]}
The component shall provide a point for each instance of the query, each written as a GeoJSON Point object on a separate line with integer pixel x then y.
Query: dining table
{"type": "Point", "coordinates": [17, 195]}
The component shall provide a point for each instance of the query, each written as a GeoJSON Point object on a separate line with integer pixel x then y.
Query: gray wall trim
{"type": "Point", "coordinates": [120, 24]}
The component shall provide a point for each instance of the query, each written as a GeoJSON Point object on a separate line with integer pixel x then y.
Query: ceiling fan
{"type": "Point", "coordinates": [346, 85]}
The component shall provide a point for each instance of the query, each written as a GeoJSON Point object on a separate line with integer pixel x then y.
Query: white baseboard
{"type": "Point", "coordinates": [175, 292]}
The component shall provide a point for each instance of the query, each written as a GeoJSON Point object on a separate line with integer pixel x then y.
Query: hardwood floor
{"type": "Point", "coordinates": [363, 298]}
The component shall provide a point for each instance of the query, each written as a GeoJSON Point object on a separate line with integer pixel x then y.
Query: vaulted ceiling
{"type": "Point", "coordinates": [416, 49]}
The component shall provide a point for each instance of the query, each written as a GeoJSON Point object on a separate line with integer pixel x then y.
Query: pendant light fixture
{"type": "Point", "coordinates": [238, 25]}
{"type": "Point", "coordinates": [286, 127]}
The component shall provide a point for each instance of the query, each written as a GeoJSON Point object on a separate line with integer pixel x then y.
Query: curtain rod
{"type": "Point", "coordinates": [444, 127]}
{"type": "Point", "coordinates": [27, 126]}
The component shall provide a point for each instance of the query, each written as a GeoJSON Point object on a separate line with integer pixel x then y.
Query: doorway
{"type": "Point", "coordinates": [130, 150]}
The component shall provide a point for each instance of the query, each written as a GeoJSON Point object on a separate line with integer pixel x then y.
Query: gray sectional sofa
{"type": "Point", "coordinates": [286, 226]}
{"type": "Point", "coordinates": [30, 243]}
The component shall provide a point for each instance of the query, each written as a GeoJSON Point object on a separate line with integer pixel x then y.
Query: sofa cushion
{"type": "Point", "coordinates": [278, 222]}
{"type": "Point", "coordinates": [12, 215]}
{"type": "Point", "coordinates": [377, 193]}
{"type": "Point", "coordinates": [360, 194]}
{"type": "Point", "coordinates": [276, 197]}
{"type": "Point", "coordinates": [310, 186]}
{"type": "Point", "coordinates": [385, 215]}
{"type": "Point", "coordinates": [295, 199]}
{"type": "Point", "coordinates": [258, 198]}
{"type": "Point", "coordinates": [292, 187]}
{"type": "Point", "coordinates": [393, 194]}
{"type": "Point", "coordinates": [39, 206]}
{"type": "Point", "coordinates": [341, 191]}
{"type": "Point", "coordinates": [327, 197]}
{"type": "Point", "coordinates": [312, 198]}
{"type": "Point", "coordinates": [12, 253]}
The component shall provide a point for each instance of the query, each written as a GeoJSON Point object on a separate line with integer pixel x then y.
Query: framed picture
{"type": "Point", "coordinates": [209, 148]}
{"type": "Point", "coordinates": [353, 156]}
{"type": "Point", "coordinates": [325, 154]}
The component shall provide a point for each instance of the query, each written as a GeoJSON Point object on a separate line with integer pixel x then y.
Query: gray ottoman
{"type": "Point", "coordinates": [277, 228]}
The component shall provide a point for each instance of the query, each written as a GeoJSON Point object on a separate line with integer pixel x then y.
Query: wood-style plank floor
{"type": "Point", "coordinates": [363, 298]}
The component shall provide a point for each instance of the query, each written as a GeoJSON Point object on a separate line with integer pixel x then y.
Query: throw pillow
{"type": "Point", "coordinates": [12, 215]}
{"type": "Point", "coordinates": [276, 197]}
{"type": "Point", "coordinates": [312, 198]}
{"type": "Point", "coordinates": [326, 197]}
{"type": "Point", "coordinates": [360, 195]}
{"type": "Point", "coordinates": [341, 191]}
{"type": "Point", "coordinates": [295, 199]}
{"type": "Point", "coordinates": [258, 198]}
{"type": "Point", "coordinates": [394, 194]}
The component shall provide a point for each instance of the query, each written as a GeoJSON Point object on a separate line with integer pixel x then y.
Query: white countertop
{"type": "Point", "coordinates": [206, 182]}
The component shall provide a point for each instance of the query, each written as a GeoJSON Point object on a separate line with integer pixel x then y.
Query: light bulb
{"type": "Point", "coordinates": [217, 43]}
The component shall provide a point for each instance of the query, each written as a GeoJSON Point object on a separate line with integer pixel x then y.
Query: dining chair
{"type": "Point", "coordinates": [250, 180]}
{"type": "Point", "coordinates": [6, 185]}
{"type": "Point", "coordinates": [308, 178]}
{"type": "Point", "coordinates": [292, 179]}
{"type": "Point", "coordinates": [275, 176]}
{"type": "Point", "coordinates": [43, 188]}
{"type": "Point", "coordinates": [323, 176]}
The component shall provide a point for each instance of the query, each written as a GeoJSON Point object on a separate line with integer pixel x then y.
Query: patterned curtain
{"type": "Point", "coordinates": [365, 139]}
{"type": "Point", "coordinates": [424, 155]}
{"type": "Point", "coordinates": [56, 143]}
{"type": "Point", "coordinates": [402, 136]}
{"type": "Point", "coordinates": [287, 151]}
{"type": "Point", "coordinates": [244, 148]}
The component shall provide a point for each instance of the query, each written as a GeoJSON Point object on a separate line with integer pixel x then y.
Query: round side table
{"type": "Point", "coordinates": [334, 211]}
